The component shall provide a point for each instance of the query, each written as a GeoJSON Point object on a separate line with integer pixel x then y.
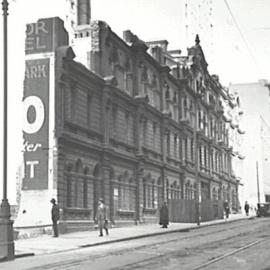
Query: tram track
{"type": "Point", "coordinates": [201, 266]}
{"type": "Point", "coordinates": [146, 252]}
{"type": "Point", "coordinates": [144, 264]}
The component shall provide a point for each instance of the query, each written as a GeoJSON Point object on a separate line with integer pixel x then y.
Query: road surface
{"type": "Point", "coordinates": [240, 245]}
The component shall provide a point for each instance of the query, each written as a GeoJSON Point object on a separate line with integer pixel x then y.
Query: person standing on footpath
{"type": "Point", "coordinates": [102, 217]}
{"type": "Point", "coordinates": [164, 215]}
{"type": "Point", "coordinates": [226, 208]}
{"type": "Point", "coordinates": [55, 217]}
{"type": "Point", "coordinates": [246, 208]}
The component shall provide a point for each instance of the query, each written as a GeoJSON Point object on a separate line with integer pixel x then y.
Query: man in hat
{"type": "Point", "coordinates": [55, 217]}
{"type": "Point", "coordinates": [102, 217]}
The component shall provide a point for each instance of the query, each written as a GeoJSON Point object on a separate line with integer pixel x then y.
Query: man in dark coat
{"type": "Point", "coordinates": [164, 215]}
{"type": "Point", "coordinates": [55, 217]}
{"type": "Point", "coordinates": [246, 208]}
{"type": "Point", "coordinates": [102, 217]}
{"type": "Point", "coordinates": [226, 208]}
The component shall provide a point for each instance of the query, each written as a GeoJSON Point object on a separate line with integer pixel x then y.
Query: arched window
{"type": "Point", "coordinates": [150, 193]}
{"type": "Point", "coordinates": [193, 191]}
{"type": "Point", "coordinates": [214, 194]}
{"type": "Point", "coordinates": [126, 192]}
{"type": "Point", "coordinates": [69, 185]}
{"type": "Point", "coordinates": [174, 191]}
{"type": "Point", "coordinates": [187, 191]}
{"type": "Point", "coordinates": [77, 185]}
{"type": "Point", "coordinates": [85, 188]}
{"type": "Point", "coordinates": [131, 197]}
{"type": "Point", "coordinates": [159, 191]}
{"type": "Point", "coordinates": [224, 194]}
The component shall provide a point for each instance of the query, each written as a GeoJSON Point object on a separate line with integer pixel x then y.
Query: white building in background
{"type": "Point", "coordinates": [233, 115]}
{"type": "Point", "coordinates": [254, 98]}
{"type": "Point", "coordinates": [265, 155]}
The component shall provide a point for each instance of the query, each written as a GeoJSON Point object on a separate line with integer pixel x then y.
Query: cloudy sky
{"type": "Point", "coordinates": [240, 37]}
{"type": "Point", "coordinates": [236, 46]}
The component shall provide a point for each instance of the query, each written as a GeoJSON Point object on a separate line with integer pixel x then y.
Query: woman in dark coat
{"type": "Point", "coordinates": [164, 215]}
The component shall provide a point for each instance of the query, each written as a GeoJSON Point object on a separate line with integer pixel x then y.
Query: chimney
{"type": "Point", "coordinates": [83, 12]}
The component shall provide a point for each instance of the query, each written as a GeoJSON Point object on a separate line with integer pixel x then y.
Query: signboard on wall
{"type": "Point", "coordinates": [39, 37]}
{"type": "Point", "coordinates": [36, 124]}
{"type": "Point", "coordinates": [45, 35]}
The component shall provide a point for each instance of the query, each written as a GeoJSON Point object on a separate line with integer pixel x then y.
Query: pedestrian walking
{"type": "Point", "coordinates": [102, 217]}
{"type": "Point", "coordinates": [226, 208]}
{"type": "Point", "coordinates": [141, 214]}
{"type": "Point", "coordinates": [246, 208]}
{"type": "Point", "coordinates": [55, 212]}
{"type": "Point", "coordinates": [164, 215]}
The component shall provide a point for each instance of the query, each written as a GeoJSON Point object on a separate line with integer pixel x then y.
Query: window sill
{"type": "Point", "coordinates": [121, 212]}
{"type": "Point", "coordinates": [150, 210]}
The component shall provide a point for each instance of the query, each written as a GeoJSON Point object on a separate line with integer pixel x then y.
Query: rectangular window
{"type": "Point", "coordinates": [115, 123]}
{"type": "Point", "coordinates": [192, 149]}
{"type": "Point", "coordinates": [88, 109]}
{"type": "Point", "coordinates": [168, 143]}
{"type": "Point", "coordinates": [127, 127]}
{"type": "Point", "coordinates": [205, 156]}
{"type": "Point", "coordinates": [186, 148]}
{"type": "Point", "coordinates": [175, 145]}
{"type": "Point", "coordinates": [73, 100]}
{"type": "Point", "coordinates": [145, 132]}
{"type": "Point", "coordinates": [154, 136]}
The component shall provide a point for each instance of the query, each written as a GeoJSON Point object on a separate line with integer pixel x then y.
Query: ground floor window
{"type": "Point", "coordinates": [190, 191]}
{"type": "Point", "coordinates": [174, 191]}
{"type": "Point", "coordinates": [205, 191]}
{"type": "Point", "coordinates": [214, 194]}
{"type": "Point", "coordinates": [151, 192]}
{"type": "Point", "coordinates": [126, 191]}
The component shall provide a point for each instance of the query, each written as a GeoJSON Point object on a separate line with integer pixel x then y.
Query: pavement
{"type": "Point", "coordinates": [46, 244]}
{"type": "Point", "coordinates": [33, 253]}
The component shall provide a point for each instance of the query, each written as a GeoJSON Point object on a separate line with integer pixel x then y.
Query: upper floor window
{"type": "Point", "coordinates": [89, 106]}
{"type": "Point", "coordinates": [168, 142]}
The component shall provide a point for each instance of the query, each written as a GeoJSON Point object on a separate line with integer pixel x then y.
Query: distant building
{"type": "Point", "coordinates": [233, 115]}
{"type": "Point", "coordinates": [255, 102]}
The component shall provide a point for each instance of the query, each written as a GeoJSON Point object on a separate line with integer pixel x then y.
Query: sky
{"type": "Point", "coordinates": [237, 47]}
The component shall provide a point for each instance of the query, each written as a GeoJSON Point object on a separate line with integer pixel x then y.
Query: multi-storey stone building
{"type": "Point", "coordinates": [136, 124]}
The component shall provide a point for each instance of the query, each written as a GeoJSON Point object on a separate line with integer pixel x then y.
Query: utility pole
{"type": "Point", "coordinates": [6, 225]}
{"type": "Point", "coordinates": [258, 182]}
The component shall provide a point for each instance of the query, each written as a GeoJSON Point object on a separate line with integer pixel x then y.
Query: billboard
{"type": "Point", "coordinates": [36, 124]}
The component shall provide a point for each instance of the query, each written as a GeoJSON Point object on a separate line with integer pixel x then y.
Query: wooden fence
{"type": "Point", "coordinates": [186, 210]}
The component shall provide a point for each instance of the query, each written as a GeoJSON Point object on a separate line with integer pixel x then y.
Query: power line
{"type": "Point", "coordinates": [242, 35]}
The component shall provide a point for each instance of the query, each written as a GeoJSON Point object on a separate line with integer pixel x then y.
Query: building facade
{"type": "Point", "coordinates": [255, 102]}
{"type": "Point", "coordinates": [132, 122]}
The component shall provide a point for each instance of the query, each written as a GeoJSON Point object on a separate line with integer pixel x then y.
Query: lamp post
{"type": "Point", "coordinates": [6, 224]}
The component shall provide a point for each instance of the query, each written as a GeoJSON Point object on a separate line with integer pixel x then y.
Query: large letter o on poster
{"type": "Point", "coordinates": [37, 104]}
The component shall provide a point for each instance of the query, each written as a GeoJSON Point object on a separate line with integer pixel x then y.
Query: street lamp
{"type": "Point", "coordinates": [6, 224]}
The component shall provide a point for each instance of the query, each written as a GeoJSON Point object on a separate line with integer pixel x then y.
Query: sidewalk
{"type": "Point", "coordinates": [46, 244]}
